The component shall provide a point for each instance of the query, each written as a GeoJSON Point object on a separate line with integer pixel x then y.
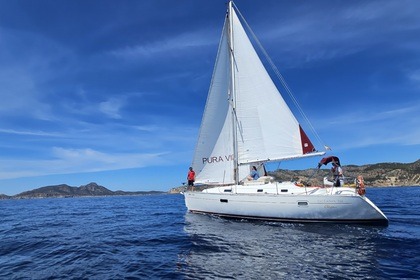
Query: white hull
{"type": "Point", "coordinates": [286, 202]}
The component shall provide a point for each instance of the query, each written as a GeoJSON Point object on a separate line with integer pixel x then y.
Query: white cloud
{"type": "Point", "coordinates": [19, 94]}
{"type": "Point", "coordinates": [67, 161]}
{"type": "Point", "coordinates": [31, 133]}
{"type": "Point", "coordinates": [166, 46]}
{"type": "Point", "coordinates": [112, 107]}
{"type": "Point", "coordinates": [399, 126]}
{"type": "Point", "coordinates": [414, 76]}
{"type": "Point", "coordinates": [325, 32]}
{"type": "Point", "coordinates": [365, 116]}
{"type": "Point", "coordinates": [149, 128]}
{"type": "Point", "coordinates": [27, 61]}
{"type": "Point", "coordinates": [125, 147]}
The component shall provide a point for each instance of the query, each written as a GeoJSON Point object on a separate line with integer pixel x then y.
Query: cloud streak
{"type": "Point", "coordinates": [332, 31]}
{"type": "Point", "coordinates": [371, 128]}
{"type": "Point", "coordinates": [68, 161]}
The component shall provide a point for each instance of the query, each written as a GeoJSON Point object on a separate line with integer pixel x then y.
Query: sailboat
{"type": "Point", "coordinates": [246, 124]}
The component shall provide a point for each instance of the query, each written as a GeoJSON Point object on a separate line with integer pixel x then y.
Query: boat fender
{"type": "Point", "coordinates": [360, 185]}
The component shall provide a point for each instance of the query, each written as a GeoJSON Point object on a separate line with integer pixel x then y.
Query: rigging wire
{"type": "Point", "coordinates": [282, 80]}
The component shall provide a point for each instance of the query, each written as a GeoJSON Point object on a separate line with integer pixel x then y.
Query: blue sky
{"type": "Point", "coordinates": [113, 91]}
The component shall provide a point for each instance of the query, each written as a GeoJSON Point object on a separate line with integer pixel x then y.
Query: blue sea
{"type": "Point", "coordinates": [153, 237]}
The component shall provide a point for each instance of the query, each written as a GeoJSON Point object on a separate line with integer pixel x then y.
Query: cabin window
{"type": "Point", "coordinates": [260, 190]}
{"type": "Point", "coordinates": [224, 200]}
{"type": "Point", "coordinates": [302, 203]}
{"type": "Point", "coordinates": [284, 190]}
{"type": "Point", "coordinates": [228, 190]}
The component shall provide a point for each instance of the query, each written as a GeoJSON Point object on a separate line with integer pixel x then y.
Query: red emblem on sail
{"type": "Point", "coordinates": [307, 146]}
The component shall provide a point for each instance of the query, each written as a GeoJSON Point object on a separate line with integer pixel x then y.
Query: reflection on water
{"type": "Point", "coordinates": [267, 250]}
{"type": "Point", "coordinates": [222, 248]}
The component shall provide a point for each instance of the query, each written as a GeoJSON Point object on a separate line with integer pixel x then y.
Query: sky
{"type": "Point", "coordinates": [113, 92]}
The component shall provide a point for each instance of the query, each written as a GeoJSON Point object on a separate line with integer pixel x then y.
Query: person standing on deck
{"type": "Point", "coordinates": [338, 175]}
{"type": "Point", "coordinates": [191, 178]}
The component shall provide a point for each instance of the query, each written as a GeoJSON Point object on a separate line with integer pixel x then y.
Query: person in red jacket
{"type": "Point", "coordinates": [191, 178]}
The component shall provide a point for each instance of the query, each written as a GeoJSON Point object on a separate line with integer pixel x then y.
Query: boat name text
{"type": "Point", "coordinates": [217, 159]}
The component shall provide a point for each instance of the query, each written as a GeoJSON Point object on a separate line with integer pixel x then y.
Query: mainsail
{"type": "Point", "coordinates": [255, 115]}
{"type": "Point", "coordinates": [213, 157]}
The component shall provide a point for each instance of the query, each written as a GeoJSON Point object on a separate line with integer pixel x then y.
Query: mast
{"type": "Point", "coordinates": [233, 96]}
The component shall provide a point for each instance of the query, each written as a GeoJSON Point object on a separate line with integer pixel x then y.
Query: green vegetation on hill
{"type": "Point", "coordinates": [375, 175]}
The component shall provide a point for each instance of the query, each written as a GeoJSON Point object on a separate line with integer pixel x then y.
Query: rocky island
{"type": "Point", "coordinates": [63, 190]}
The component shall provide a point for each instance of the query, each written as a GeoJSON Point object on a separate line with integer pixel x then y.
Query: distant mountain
{"type": "Point", "coordinates": [63, 190]}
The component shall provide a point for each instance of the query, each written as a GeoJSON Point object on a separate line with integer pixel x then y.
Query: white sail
{"type": "Point", "coordinates": [265, 126]}
{"type": "Point", "coordinates": [267, 129]}
{"type": "Point", "coordinates": [213, 157]}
